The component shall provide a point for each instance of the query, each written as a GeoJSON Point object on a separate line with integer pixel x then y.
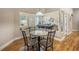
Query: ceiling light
{"type": "Point", "coordinates": [39, 13]}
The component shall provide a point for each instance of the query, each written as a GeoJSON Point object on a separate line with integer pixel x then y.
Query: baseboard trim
{"type": "Point", "coordinates": [75, 30]}
{"type": "Point", "coordinates": [8, 43]}
{"type": "Point", "coordinates": [60, 39]}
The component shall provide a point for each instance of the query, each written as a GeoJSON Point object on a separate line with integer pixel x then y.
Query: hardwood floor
{"type": "Point", "coordinates": [70, 43]}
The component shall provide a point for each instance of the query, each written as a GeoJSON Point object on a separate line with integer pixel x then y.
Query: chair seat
{"type": "Point", "coordinates": [44, 42]}
{"type": "Point", "coordinates": [32, 42]}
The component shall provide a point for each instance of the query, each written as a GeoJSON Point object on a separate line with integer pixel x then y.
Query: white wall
{"type": "Point", "coordinates": [75, 21]}
{"type": "Point", "coordinates": [9, 25]}
{"type": "Point", "coordinates": [75, 18]}
{"type": "Point", "coordinates": [6, 25]}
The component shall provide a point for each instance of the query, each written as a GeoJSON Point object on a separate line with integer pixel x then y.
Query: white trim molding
{"type": "Point", "coordinates": [75, 30]}
{"type": "Point", "coordinates": [8, 43]}
{"type": "Point", "coordinates": [60, 39]}
{"type": "Point", "coordinates": [63, 37]}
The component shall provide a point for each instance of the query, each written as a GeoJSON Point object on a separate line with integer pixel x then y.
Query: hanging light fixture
{"type": "Point", "coordinates": [39, 13]}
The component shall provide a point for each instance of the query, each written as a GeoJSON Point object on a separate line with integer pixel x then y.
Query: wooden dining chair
{"type": "Point", "coordinates": [47, 41]}
{"type": "Point", "coordinates": [29, 40]}
{"type": "Point", "coordinates": [26, 47]}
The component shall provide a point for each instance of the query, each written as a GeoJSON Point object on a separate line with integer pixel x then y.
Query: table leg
{"type": "Point", "coordinates": [38, 43]}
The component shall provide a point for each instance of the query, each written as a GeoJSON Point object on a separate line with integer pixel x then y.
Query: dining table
{"type": "Point", "coordinates": [47, 26]}
{"type": "Point", "coordinates": [45, 29]}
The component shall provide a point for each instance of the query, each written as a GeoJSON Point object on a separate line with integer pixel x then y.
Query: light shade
{"type": "Point", "coordinates": [39, 14]}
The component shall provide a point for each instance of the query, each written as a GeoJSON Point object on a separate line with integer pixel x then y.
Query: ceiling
{"type": "Point", "coordinates": [75, 9]}
{"type": "Point", "coordinates": [34, 10]}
